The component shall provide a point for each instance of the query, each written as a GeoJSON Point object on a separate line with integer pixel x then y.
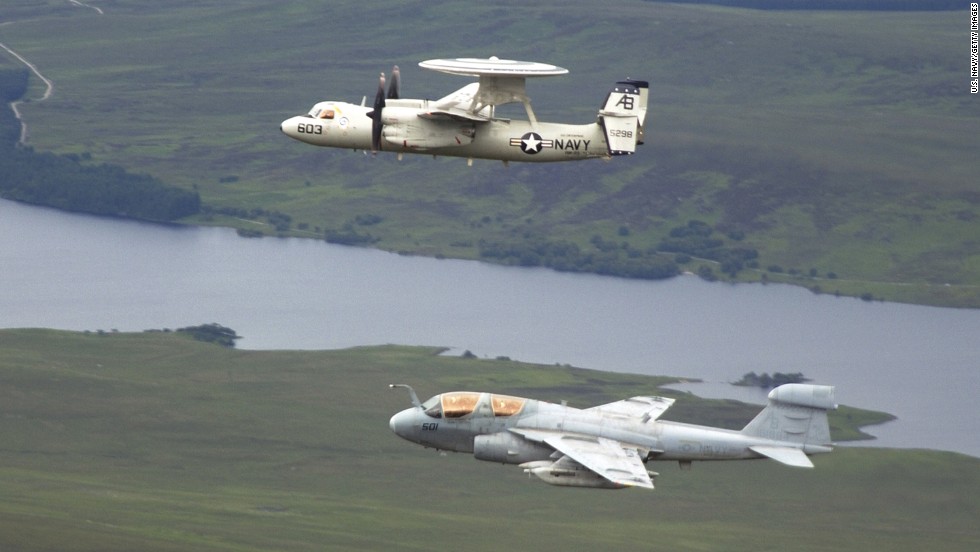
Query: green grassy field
{"type": "Point", "coordinates": [157, 442]}
{"type": "Point", "coordinates": [842, 142]}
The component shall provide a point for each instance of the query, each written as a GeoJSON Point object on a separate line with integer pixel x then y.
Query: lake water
{"type": "Point", "coordinates": [77, 272]}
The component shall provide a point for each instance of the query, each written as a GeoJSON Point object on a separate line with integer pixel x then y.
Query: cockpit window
{"type": "Point", "coordinates": [506, 406]}
{"type": "Point", "coordinates": [457, 405]}
{"type": "Point", "coordinates": [433, 407]}
{"type": "Point", "coordinates": [324, 112]}
{"type": "Point", "coordinates": [463, 403]}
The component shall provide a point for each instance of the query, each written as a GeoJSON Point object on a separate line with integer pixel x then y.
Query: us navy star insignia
{"type": "Point", "coordinates": [531, 143]}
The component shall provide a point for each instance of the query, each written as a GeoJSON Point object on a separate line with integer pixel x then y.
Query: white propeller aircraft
{"type": "Point", "coordinates": [608, 446]}
{"type": "Point", "coordinates": [463, 123]}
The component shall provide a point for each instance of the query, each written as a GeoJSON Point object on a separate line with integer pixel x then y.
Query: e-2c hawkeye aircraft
{"type": "Point", "coordinates": [463, 123]}
{"type": "Point", "coordinates": [608, 446]}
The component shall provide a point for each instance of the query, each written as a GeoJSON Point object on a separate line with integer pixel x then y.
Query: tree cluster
{"type": "Point", "coordinates": [697, 239]}
{"type": "Point", "coordinates": [348, 236]}
{"type": "Point", "coordinates": [766, 381]}
{"type": "Point", "coordinates": [62, 182]}
{"type": "Point", "coordinates": [212, 333]}
{"type": "Point", "coordinates": [65, 182]}
{"type": "Point", "coordinates": [564, 256]}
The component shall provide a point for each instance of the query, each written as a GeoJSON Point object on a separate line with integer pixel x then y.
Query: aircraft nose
{"type": "Point", "coordinates": [403, 424]}
{"type": "Point", "coordinates": [289, 128]}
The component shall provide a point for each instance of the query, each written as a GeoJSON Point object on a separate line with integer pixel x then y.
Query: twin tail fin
{"type": "Point", "coordinates": [623, 114]}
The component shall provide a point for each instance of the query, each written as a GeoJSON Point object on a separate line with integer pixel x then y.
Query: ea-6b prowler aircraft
{"type": "Point", "coordinates": [608, 446]}
{"type": "Point", "coordinates": [463, 123]}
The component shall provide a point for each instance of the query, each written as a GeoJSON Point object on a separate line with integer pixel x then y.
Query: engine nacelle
{"type": "Point", "coordinates": [567, 475]}
{"type": "Point", "coordinates": [407, 130]}
{"type": "Point", "coordinates": [507, 448]}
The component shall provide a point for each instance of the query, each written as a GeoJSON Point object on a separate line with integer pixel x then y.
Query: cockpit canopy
{"type": "Point", "coordinates": [464, 403]}
{"type": "Point", "coordinates": [323, 110]}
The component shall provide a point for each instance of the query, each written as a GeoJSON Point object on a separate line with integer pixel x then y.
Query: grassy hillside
{"type": "Point", "coordinates": [157, 442]}
{"type": "Point", "coordinates": [838, 145]}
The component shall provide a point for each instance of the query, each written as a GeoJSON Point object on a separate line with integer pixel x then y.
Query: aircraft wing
{"type": "Point", "coordinates": [612, 460]}
{"type": "Point", "coordinates": [646, 408]}
{"type": "Point", "coordinates": [457, 106]}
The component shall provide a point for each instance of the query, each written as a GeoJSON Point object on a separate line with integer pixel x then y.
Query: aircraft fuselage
{"type": "Point", "coordinates": [405, 131]}
{"type": "Point", "coordinates": [607, 446]}
{"type": "Point", "coordinates": [665, 440]}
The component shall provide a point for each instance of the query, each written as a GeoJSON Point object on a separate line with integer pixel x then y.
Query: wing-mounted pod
{"type": "Point", "coordinates": [623, 114]}
{"type": "Point", "coordinates": [565, 472]}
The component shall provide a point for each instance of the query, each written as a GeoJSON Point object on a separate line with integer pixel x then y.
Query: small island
{"type": "Point", "coordinates": [766, 381]}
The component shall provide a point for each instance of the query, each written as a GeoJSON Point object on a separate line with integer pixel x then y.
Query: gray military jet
{"type": "Point", "coordinates": [608, 446]}
{"type": "Point", "coordinates": [463, 124]}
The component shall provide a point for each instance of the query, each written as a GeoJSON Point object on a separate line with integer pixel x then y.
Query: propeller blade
{"type": "Point", "coordinates": [379, 105]}
{"type": "Point", "coordinates": [394, 88]}
{"type": "Point", "coordinates": [379, 98]}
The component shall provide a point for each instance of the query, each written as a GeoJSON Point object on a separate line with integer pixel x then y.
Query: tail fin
{"type": "Point", "coordinates": [623, 114]}
{"type": "Point", "coordinates": [796, 413]}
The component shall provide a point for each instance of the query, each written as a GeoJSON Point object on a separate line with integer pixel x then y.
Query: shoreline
{"type": "Point", "coordinates": [258, 229]}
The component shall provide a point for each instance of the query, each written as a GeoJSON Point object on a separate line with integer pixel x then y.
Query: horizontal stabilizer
{"type": "Point", "coordinates": [786, 455]}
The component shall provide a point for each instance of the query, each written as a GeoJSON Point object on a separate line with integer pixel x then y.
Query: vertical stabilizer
{"type": "Point", "coordinates": [796, 413]}
{"type": "Point", "coordinates": [622, 116]}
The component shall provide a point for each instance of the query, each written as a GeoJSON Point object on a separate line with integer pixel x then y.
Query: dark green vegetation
{"type": "Point", "coordinates": [767, 381]}
{"type": "Point", "coordinates": [881, 5]}
{"type": "Point", "coordinates": [212, 333]}
{"type": "Point", "coordinates": [834, 150]}
{"type": "Point", "coordinates": [63, 181]}
{"type": "Point", "coordinates": [156, 441]}
{"type": "Point", "coordinates": [13, 85]}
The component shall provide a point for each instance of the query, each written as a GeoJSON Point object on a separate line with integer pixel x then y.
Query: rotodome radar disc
{"type": "Point", "coordinates": [475, 67]}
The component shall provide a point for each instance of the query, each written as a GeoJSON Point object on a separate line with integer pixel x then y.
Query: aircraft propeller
{"type": "Point", "coordinates": [379, 105]}
{"type": "Point", "coordinates": [395, 87]}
